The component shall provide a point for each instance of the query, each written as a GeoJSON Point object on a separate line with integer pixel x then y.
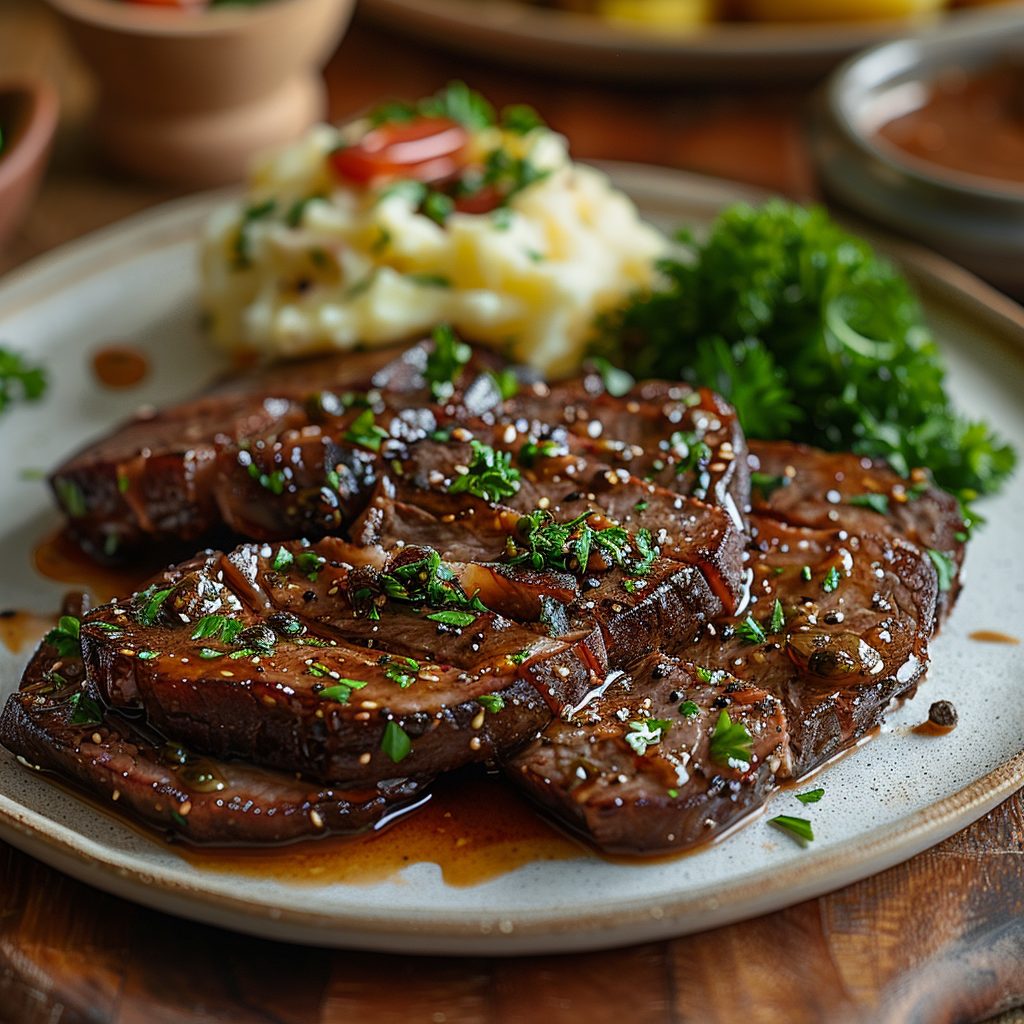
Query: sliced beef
{"type": "Point", "coordinates": [849, 634]}
{"type": "Point", "coordinates": [828, 490]}
{"type": "Point", "coordinates": [313, 667]}
{"type": "Point", "coordinates": [642, 766]}
{"type": "Point", "coordinates": [52, 726]}
{"type": "Point", "coordinates": [155, 478]}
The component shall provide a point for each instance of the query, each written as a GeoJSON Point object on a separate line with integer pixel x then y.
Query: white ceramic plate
{"type": "Point", "coordinates": [588, 46]}
{"type": "Point", "coordinates": [898, 795]}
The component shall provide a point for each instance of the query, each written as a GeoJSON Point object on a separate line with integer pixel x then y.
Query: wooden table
{"type": "Point", "coordinates": [939, 939]}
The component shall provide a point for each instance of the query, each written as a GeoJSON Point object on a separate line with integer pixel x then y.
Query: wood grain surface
{"type": "Point", "coordinates": [937, 940]}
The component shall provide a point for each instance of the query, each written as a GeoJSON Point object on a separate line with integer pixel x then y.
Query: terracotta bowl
{"type": "Point", "coordinates": [189, 96]}
{"type": "Point", "coordinates": [28, 117]}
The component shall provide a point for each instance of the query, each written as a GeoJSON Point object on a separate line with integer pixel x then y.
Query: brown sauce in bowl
{"type": "Point", "coordinates": [968, 123]}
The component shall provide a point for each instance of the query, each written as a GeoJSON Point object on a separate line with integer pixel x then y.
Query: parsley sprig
{"type": "Point", "coordinates": [731, 743]}
{"type": "Point", "coordinates": [445, 362]}
{"type": "Point", "coordinates": [812, 337]}
{"type": "Point", "coordinates": [428, 580]}
{"type": "Point", "coordinates": [19, 380]}
{"type": "Point", "coordinates": [490, 475]}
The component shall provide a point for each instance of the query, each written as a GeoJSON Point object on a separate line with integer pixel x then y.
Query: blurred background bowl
{"type": "Point", "coordinates": [975, 219]}
{"type": "Point", "coordinates": [28, 118]}
{"type": "Point", "coordinates": [187, 97]}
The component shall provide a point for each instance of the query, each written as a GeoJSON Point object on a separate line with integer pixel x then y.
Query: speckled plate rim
{"type": "Point", "coordinates": [614, 922]}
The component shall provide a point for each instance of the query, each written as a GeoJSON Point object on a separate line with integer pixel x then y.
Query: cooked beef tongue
{"type": "Point", "coordinates": [291, 657]}
{"type": "Point", "coordinates": [661, 758]}
{"type": "Point", "coordinates": [827, 490]}
{"type": "Point", "coordinates": [153, 479]}
{"type": "Point", "coordinates": [52, 725]}
{"type": "Point", "coordinates": [836, 627]}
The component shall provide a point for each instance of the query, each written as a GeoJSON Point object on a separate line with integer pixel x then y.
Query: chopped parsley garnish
{"type": "Point", "coordinates": [363, 430]}
{"type": "Point", "coordinates": [395, 742]}
{"type": "Point", "coordinates": [800, 828]}
{"type": "Point", "coordinates": [272, 481]}
{"type": "Point", "coordinates": [147, 655]}
{"type": "Point", "coordinates": [282, 560]}
{"type": "Point", "coordinates": [70, 496]}
{"type": "Point", "coordinates": [243, 240]}
{"type": "Point", "coordinates": [534, 450]}
{"type": "Point", "coordinates": [293, 218]}
{"type": "Point", "coordinates": [19, 380]}
{"type": "Point", "coordinates": [688, 709]}
{"type": "Point", "coordinates": [66, 637]}
{"type": "Point", "coordinates": [641, 506]}
{"type": "Point", "coordinates": [309, 563]}
{"type": "Point", "coordinates": [429, 581]}
{"type": "Point", "coordinates": [217, 627]}
{"type": "Point", "coordinates": [438, 207]}
{"type": "Point", "coordinates": [519, 656]}
{"type": "Point", "coordinates": [812, 337]}
{"type": "Point", "coordinates": [812, 796]}
{"type": "Point", "coordinates": [767, 482]}
{"type": "Point", "coordinates": [506, 382]}
{"type": "Point", "coordinates": [731, 743]}
{"type": "Point", "coordinates": [805, 574]}
{"type": "Point", "coordinates": [149, 603]}
{"type": "Point", "coordinates": [452, 618]}
{"type": "Point", "coordinates": [876, 502]}
{"type": "Point", "coordinates": [520, 119]}
{"type": "Point", "coordinates": [778, 617]}
{"type": "Point", "coordinates": [617, 382]}
{"type": "Point", "coordinates": [84, 710]}
{"type": "Point", "coordinates": [831, 580]}
{"type": "Point", "coordinates": [402, 671]}
{"type": "Point", "coordinates": [491, 702]}
{"type": "Point", "coordinates": [646, 733]}
{"type": "Point", "coordinates": [445, 362]}
{"type": "Point", "coordinates": [341, 690]}
{"type": "Point", "coordinates": [490, 475]}
{"type": "Point", "coordinates": [751, 631]}
{"type": "Point", "coordinates": [945, 568]}
{"type": "Point", "coordinates": [543, 543]}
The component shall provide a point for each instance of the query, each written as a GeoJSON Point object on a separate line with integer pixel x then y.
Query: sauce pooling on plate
{"type": "Point", "coordinates": [119, 366]}
{"type": "Point", "coordinates": [967, 123]}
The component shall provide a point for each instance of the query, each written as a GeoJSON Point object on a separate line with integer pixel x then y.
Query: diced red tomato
{"type": "Point", "coordinates": [484, 200]}
{"type": "Point", "coordinates": [429, 149]}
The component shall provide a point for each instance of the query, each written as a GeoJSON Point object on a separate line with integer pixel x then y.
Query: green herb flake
{"type": "Point", "coordinates": [363, 430]}
{"type": "Point", "coordinates": [65, 637]}
{"type": "Point", "coordinates": [519, 656]}
{"type": "Point", "coordinates": [876, 502]}
{"type": "Point", "coordinates": [805, 574]}
{"type": "Point", "coordinates": [491, 702]}
{"type": "Point", "coordinates": [341, 691]}
{"type": "Point", "coordinates": [454, 618]}
{"type": "Point", "coordinates": [395, 742]}
{"type": "Point", "coordinates": [282, 560]}
{"type": "Point", "coordinates": [84, 710]}
{"type": "Point", "coordinates": [831, 580]}
{"type": "Point", "coordinates": [20, 381]}
{"type": "Point", "coordinates": [646, 733]}
{"type": "Point", "coordinates": [490, 475]}
{"type": "Point", "coordinates": [147, 655]}
{"type": "Point", "coordinates": [520, 119]}
{"type": "Point", "coordinates": [751, 631]}
{"type": "Point", "coordinates": [778, 618]}
{"type": "Point", "coordinates": [812, 796]}
{"type": "Point", "coordinates": [688, 709]}
{"type": "Point", "coordinates": [766, 482]}
{"type": "Point", "coordinates": [731, 743]}
{"type": "Point", "coordinates": [445, 362]}
{"type": "Point", "coordinates": [617, 382]}
{"type": "Point", "coordinates": [945, 568]}
{"type": "Point", "coordinates": [217, 627]}
{"type": "Point", "coordinates": [506, 382]}
{"type": "Point", "coordinates": [70, 496]}
{"type": "Point", "coordinates": [149, 604]}
{"type": "Point", "coordinates": [799, 828]}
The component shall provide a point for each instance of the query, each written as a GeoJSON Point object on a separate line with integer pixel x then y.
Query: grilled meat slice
{"type": "Point", "coordinates": [664, 757]}
{"type": "Point", "coordinates": [154, 479]}
{"type": "Point", "coordinates": [804, 486]}
{"type": "Point", "coordinates": [292, 657]}
{"type": "Point", "coordinates": [837, 626]}
{"type": "Point", "coordinates": [51, 725]}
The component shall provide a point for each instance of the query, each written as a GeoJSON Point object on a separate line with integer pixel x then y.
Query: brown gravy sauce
{"type": "Point", "coordinates": [58, 557]}
{"type": "Point", "coordinates": [120, 366]}
{"type": "Point", "coordinates": [930, 728]}
{"type": "Point", "coordinates": [991, 636]}
{"type": "Point", "coordinates": [474, 827]}
{"type": "Point", "coordinates": [968, 123]}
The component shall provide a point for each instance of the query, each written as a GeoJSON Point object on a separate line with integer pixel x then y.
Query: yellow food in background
{"type": "Point", "coordinates": [358, 266]}
{"type": "Point", "coordinates": [662, 14]}
{"type": "Point", "coordinates": [838, 10]}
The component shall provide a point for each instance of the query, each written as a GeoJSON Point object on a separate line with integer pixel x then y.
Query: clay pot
{"type": "Point", "coordinates": [188, 96]}
{"type": "Point", "coordinates": [28, 118]}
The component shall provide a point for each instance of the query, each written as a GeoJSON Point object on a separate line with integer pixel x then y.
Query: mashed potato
{"type": "Point", "coordinates": [309, 262]}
